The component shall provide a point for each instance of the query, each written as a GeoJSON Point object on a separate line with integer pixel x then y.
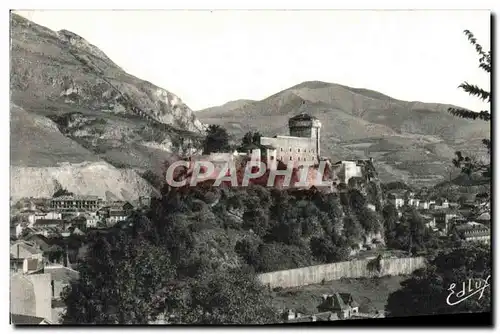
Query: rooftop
{"type": "Point", "coordinates": [28, 246]}
{"type": "Point", "coordinates": [20, 319]}
{"type": "Point", "coordinates": [337, 301]}
{"type": "Point", "coordinates": [117, 214]}
{"type": "Point", "coordinates": [302, 117]}
{"type": "Point", "coordinates": [76, 198]}
{"type": "Point", "coordinates": [40, 222]}
{"type": "Point", "coordinates": [61, 273]}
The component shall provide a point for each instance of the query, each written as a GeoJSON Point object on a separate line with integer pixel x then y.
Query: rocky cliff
{"type": "Point", "coordinates": [75, 113]}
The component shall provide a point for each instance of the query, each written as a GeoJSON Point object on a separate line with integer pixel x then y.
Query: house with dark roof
{"type": "Point", "coordinates": [76, 202]}
{"type": "Point", "coordinates": [49, 223]}
{"type": "Point", "coordinates": [22, 249]}
{"type": "Point", "coordinates": [39, 240]}
{"type": "Point", "coordinates": [343, 304]}
{"type": "Point", "coordinates": [21, 319]}
{"type": "Point", "coordinates": [472, 231]}
{"type": "Point", "coordinates": [116, 216]}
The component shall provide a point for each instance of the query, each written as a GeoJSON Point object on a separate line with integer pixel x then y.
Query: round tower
{"type": "Point", "coordinates": [307, 126]}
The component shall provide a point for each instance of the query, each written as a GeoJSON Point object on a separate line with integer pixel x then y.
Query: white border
{"type": "Point", "coordinates": [187, 4]}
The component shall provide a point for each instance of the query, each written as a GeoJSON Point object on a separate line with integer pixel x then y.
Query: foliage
{"type": "Point", "coordinates": [62, 192]}
{"type": "Point", "coordinates": [326, 251]}
{"type": "Point", "coordinates": [118, 282]}
{"type": "Point", "coordinates": [216, 140]}
{"type": "Point", "coordinates": [469, 164]}
{"type": "Point", "coordinates": [249, 139]}
{"type": "Point", "coordinates": [227, 297]}
{"type": "Point", "coordinates": [194, 242]}
{"type": "Point", "coordinates": [154, 179]}
{"type": "Point", "coordinates": [426, 291]}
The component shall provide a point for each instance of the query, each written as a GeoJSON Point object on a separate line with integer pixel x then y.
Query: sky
{"type": "Point", "coordinates": [210, 58]}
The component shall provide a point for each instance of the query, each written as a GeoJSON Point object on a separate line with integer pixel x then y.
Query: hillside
{"type": "Point", "coordinates": [410, 141]}
{"type": "Point", "coordinates": [70, 104]}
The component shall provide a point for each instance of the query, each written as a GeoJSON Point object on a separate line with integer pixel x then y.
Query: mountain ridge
{"type": "Point", "coordinates": [70, 103]}
{"type": "Point", "coordinates": [410, 139]}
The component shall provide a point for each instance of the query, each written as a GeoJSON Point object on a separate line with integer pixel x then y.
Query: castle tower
{"type": "Point", "coordinates": [304, 125]}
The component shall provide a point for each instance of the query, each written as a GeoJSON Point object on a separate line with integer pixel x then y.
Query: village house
{"type": "Point", "coordinates": [22, 249]}
{"type": "Point", "coordinates": [424, 204]}
{"type": "Point", "coordinates": [21, 320]}
{"type": "Point", "coordinates": [484, 218]}
{"type": "Point", "coordinates": [85, 220]}
{"type": "Point", "coordinates": [443, 220]}
{"type": "Point", "coordinates": [396, 199]}
{"type": "Point", "coordinates": [440, 204]}
{"type": "Point", "coordinates": [30, 297]}
{"type": "Point", "coordinates": [60, 277]}
{"type": "Point", "coordinates": [51, 215]}
{"type": "Point", "coordinates": [144, 201]}
{"type": "Point", "coordinates": [342, 304]}
{"type": "Point", "coordinates": [16, 229]}
{"type": "Point", "coordinates": [429, 221]}
{"type": "Point", "coordinates": [76, 202]}
{"type": "Point", "coordinates": [40, 241]}
{"type": "Point", "coordinates": [115, 217]}
{"type": "Point", "coordinates": [474, 232]}
{"type": "Point", "coordinates": [414, 202]}
{"type": "Point", "coordinates": [47, 223]}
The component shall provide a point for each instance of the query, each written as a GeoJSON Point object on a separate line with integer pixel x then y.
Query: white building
{"type": "Point", "coordinates": [345, 170]}
{"type": "Point", "coordinates": [396, 199]}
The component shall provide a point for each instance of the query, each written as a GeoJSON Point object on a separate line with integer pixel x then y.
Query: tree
{"type": "Point", "coordinates": [390, 214]}
{"type": "Point", "coordinates": [369, 220]}
{"type": "Point", "coordinates": [233, 296]}
{"type": "Point", "coordinates": [466, 163]}
{"type": "Point", "coordinates": [62, 192]}
{"type": "Point", "coordinates": [154, 179]}
{"type": "Point", "coordinates": [257, 220]}
{"type": "Point", "coordinates": [250, 138]}
{"type": "Point", "coordinates": [118, 282]}
{"type": "Point", "coordinates": [55, 253]}
{"type": "Point", "coordinates": [326, 251]}
{"type": "Point", "coordinates": [249, 250]}
{"type": "Point", "coordinates": [426, 291]}
{"type": "Point", "coordinates": [216, 140]}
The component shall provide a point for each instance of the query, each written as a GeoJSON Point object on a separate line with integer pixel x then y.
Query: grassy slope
{"type": "Point", "coordinates": [370, 293]}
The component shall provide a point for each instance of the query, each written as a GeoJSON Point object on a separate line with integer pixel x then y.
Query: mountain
{"type": "Point", "coordinates": [409, 141]}
{"type": "Point", "coordinates": [74, 112]}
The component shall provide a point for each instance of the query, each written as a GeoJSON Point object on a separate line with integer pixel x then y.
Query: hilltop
{"type": "Point", "coordinates": [410, 141]}
{"type": "Point", "coordinates": [71, 104]}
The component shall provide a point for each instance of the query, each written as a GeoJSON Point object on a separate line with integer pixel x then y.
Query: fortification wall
{"type": "Point", "coordinates": [295, 149]}
{"type": "Point", "coordinates": [335, 271]}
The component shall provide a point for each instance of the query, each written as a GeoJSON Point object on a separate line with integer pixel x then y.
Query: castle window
{"type": "Point", "coordinates": [290, 158]}
{"type": "Point", "coordinates": [298, 150]}
{"type": "Point", "coordinates": [290, 149]}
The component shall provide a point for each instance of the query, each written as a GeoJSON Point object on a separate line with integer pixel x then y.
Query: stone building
{"type": "Point", "coordinates": [301, 147]}
{"type": "Point", "coordinates": [76, 202]}
{"type": "Point", "coordinates": [472, 231]}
